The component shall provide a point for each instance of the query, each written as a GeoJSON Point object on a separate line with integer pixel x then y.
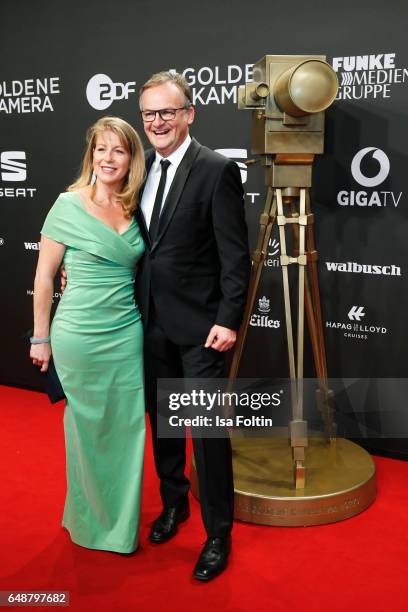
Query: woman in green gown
{"type": "Point", "coordinates": [96, 337]}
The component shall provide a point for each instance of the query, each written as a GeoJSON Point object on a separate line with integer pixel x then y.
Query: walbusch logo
{"type": "Point", "coordinates": [352, 267]}
{"type": "Point", "coordinates": [32, 246]}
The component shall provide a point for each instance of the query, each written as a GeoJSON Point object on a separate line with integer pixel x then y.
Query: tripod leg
{"type": "Point", "coordinates": [324, 396]}
{"type": "Point", "coordinates": [297, 426]}
{"type": "Point", "coordinates": [315, 294]}
{"type": "Point", "coordinates": [285, 277]}
{"type": "Point", "coordinates": [311, 256]}
{"type": "Point", "coordinates": [266, 222]}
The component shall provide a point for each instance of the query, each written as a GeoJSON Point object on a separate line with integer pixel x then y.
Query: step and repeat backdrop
{"type": "Point", "coordinates": [65, 64]}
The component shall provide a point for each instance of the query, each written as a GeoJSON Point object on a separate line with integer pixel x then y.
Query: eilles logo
{"type": "Point", "coordinates": [263, 305]}
{"type": "Point", "coordinates": [262, 319]}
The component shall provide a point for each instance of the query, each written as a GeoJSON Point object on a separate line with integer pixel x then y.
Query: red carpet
{"type": "Point", "coordinates": [358, 564]}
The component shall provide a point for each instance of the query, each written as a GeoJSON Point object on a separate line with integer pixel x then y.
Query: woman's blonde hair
{"type": "Point", "coordinates": [129, 194]}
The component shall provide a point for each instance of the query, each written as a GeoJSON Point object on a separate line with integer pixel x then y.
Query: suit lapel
{"type": "Point", "coordinates": [176, 189]}
{"type": "Point", "coordinates": [149, 159]}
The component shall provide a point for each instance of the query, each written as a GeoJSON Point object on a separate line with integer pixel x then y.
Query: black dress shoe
{"type": "Point", "coordinates": [165, 526]}
{"type": "Point", "coordinates": [213, 559]}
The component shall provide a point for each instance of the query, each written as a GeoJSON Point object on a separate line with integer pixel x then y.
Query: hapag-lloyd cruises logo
{"type": "Point", "coordinates": [370, 167]}
{"type": "Point", "coordinates": [356, 327]}
{"type": "Point", "coordinates": [368, 76]}
{"type": "Point", "coordinates": [216, 84]}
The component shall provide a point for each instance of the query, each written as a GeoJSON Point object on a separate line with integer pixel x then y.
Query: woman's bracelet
{"type": "Point", "coordinates": [34, 340]}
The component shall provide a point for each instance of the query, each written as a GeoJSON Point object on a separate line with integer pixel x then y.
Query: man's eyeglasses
{"type": "Point", "coordinates": [166, 114]}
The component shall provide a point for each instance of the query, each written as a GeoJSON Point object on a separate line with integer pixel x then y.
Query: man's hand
{"type": "Point", "coordinates": [63, 278]}
{"type": "Point", "coordinates": [41, 354]}
{"type": "Point", "coordinates": [221, 338]}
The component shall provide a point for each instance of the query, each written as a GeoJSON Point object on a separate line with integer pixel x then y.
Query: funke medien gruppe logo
{"type": "Point", "coordinates": [372, 76]}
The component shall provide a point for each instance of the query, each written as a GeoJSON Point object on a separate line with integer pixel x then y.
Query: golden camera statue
{"type": "Point", "coordinates": [288, 98]}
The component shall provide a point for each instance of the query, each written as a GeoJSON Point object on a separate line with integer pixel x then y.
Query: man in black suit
{"type": "Point", "coordinates": [191, 290]}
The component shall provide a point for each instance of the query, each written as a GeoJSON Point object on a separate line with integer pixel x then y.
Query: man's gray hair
{"type": "Point", "coordinates": [169, 77]}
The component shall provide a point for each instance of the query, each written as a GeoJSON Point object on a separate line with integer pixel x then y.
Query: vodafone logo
{"type": "Point", "coordinates": [383, 171]}
{"type": "Point", "coordinates": [370, 167]}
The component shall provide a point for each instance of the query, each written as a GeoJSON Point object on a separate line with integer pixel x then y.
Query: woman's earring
{"type": "Point", "coordinates": [93, 178]}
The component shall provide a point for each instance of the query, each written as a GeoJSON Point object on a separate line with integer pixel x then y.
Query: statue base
{"type": "Point", "coordinates": [340, 482]}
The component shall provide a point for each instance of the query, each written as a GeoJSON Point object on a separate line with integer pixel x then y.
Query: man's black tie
{"type": "Point", "coordinates": [154, 221]}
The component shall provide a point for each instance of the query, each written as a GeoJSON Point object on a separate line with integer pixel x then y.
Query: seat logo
{"type": "Point", "coordinates": [13, 166]}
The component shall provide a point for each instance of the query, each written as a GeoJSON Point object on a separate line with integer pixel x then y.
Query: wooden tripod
{"type": "Point", "coordinates": [295, 200]}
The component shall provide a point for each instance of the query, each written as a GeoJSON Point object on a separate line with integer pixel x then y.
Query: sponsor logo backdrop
{"type": "Point", "coordinates": [67, 68]}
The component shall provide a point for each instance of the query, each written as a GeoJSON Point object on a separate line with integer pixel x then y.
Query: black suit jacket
{"type": "Point", "coordinates": [197, 270]}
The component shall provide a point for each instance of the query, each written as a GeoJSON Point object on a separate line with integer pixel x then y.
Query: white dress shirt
{"type": "Point", "coordinates": [153, 179]}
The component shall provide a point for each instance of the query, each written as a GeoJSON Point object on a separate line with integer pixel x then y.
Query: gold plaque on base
{"type": "Point", "coordinates": [340, 482]}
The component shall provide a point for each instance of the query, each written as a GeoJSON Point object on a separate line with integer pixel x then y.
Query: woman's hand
{"type": "Point", "coordinates": [63, 278]}
{"type": "Point", "coordinates": [41, 354]}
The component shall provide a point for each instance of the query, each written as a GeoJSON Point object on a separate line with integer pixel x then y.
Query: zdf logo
{"type": "Point", "coordinates": [101, 91]}
{"type": "Point", "coordinates": [383, 171]}
{"type": "Point", "coordinates": [13, 166]}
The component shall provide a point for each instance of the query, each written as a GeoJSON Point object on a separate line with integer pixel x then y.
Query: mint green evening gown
{"type": "Point", "coordinates": [97, 344]}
